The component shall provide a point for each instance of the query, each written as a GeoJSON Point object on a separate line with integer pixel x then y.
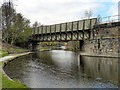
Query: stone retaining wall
{"type": "Point", "coordinates": [103, 41]}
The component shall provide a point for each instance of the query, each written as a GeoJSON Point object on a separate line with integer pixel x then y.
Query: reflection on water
{"type": "Point", "coordinates": [64, 69]}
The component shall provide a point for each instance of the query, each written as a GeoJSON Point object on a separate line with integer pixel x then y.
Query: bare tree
{"type": "Point", "coordinates": [35, 25]}
{"type": "Point", "coordinates": [88, 14]}
{"type": "Point", "coordinates": [8, 14]}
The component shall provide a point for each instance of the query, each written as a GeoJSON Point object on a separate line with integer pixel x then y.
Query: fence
{"type": "Point", "coordinates": [109, 19]}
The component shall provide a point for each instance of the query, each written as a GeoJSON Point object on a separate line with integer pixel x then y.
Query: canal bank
{"type": "Point", "coordinates": [6, 81]}
{"type": "Point", "coordinates": [63, 69]}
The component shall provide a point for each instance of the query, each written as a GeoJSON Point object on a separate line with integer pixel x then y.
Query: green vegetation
{"type": "Point", "coordinates": [6, 83]}
{"type": "Point", "coordinates": [14, 50]}
{"type": "Point", "coordinates": [70, 49]}
{"type": "Point", "coordinates": [44, 48]}
{"type": "Point", "coordinates": [3, 54]}
{"type": "Point", "coordinates": [6, 49]}
{"type": "Point", "coordinates": [15, 28]}
{"type": "Point", "coordinates": [73, 46]}
{"type": "Point", "coordinates": [47, 48]}
{"type": "Point", "coordinates": [48, 45]}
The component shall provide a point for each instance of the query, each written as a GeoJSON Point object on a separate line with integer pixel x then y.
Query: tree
{"type": "Point", "coordinates": [35, 26]}
{"type": "Point", "coordinates": [99, 19]}
{"type": "Point", "coordinates": [8, 14]}
{"type": "Point", "coordinates": [20, 30]}
{"type": "Point", "coordinates": [88, 14]}
{"type": "Point", "coordinates": [15, 28]}
{"type": "Point", "coordinates": [0, 24]}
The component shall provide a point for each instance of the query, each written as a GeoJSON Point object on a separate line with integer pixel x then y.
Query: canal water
{"type": "Point", "coordinates": [64, 69]}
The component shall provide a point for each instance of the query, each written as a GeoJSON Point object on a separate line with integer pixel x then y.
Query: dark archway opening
{"type": "Point", "coordinates": [81, 45]}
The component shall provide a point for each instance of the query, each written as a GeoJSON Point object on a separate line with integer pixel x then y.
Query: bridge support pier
{"type": "Point", "coordinates": [35, 46]}
{"type": "Point", "coordinates": [81, 43]}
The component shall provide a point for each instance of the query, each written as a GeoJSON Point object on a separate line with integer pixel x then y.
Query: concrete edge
{"type": "Point", "coordinates": [98, 55]}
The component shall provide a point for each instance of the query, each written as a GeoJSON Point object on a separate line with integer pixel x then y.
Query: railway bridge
{"type": "Point", "coordinates": [80, 30]}
{"type": "Point", "coordinates": [69, 31]}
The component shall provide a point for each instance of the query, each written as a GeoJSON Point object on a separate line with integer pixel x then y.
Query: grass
{"type": "Point", "coordinates": [15, 50]}
{"type": "Point", "coordinates": [44, 48]}
{"type": "Point", "coordinates": [7, 49]}
{"type": "Point", "coordinates": [3, 53]}
{"type": "Point", "coordinates": [6, 83]}
{"type": "Point", "coordinates": [47, 48]}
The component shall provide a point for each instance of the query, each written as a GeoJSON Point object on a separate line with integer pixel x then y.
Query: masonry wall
{"type": "Point", "coordinates": [103, 41]}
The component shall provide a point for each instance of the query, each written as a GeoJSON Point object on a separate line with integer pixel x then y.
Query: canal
{"type": "Point", "coordinates": [63, 69]}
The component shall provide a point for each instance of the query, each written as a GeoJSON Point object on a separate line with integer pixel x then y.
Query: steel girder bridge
{"type": "Point", "coordinates": [69, 31]}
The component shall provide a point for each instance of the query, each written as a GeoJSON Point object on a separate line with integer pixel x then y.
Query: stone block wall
{"type": "Point", "coordinates": [103, 40]}
{"type": "Point", "coordinates": [102, 45]}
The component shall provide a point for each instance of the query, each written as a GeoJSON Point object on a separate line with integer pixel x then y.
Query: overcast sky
{"type": "Point", "coordinates": [57, 11]}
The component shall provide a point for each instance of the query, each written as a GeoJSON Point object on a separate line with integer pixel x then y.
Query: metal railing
{"type": "Point", "coordinates": [109, 19]}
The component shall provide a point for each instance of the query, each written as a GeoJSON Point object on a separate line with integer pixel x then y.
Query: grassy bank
{"type": "Point", "coordinates": [47, 48]}
{"type": "Point", "coordinates": [3, 53]}
{"type": "Point", "coordinates": [6, 49]}
{"type": "Point", "coordinates": [6, 83]}
{"type": "Point", "coordinates": [44, 48]}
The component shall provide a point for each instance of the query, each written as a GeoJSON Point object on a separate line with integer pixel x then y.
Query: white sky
{"type": "Point", "coordinates": [59, 11]}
